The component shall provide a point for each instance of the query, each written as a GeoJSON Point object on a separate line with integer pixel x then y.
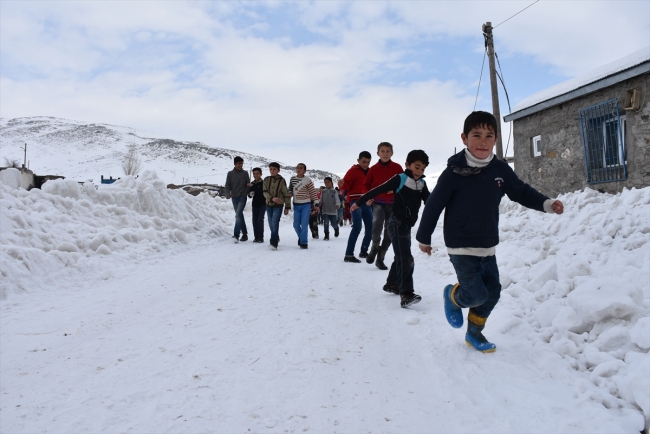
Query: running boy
{"type": "Point", "coordinates": [276, 194]}
{"type": "Point", "coordinates": [353, 182]}
{"type": "Point", "coordinates": [330, 205]}
{"type": "Point", "coordinates": [470, 190]}
{"type": "Point", "coordinates": [259, 205]}
{"type": "Point", "coordinates": [305, 196]}
{"type": "Point", "coordinates": [410, 191]}
{"type": "Point", "coordinates": [382, 205]}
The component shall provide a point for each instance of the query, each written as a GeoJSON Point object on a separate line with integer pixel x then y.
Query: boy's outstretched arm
{"type": "Point", "coordinates": [436, 203]}
{"type": "Point", "coordinates": [389, 185]}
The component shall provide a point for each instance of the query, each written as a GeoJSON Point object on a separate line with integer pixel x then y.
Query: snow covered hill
{"type": "Point", "coordinates": [128, 309]}
{"type": "Point", "coordinates": [82, 151]}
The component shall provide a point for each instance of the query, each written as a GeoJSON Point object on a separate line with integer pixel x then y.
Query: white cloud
{"type": "Point", "coordinates": [186, 69]}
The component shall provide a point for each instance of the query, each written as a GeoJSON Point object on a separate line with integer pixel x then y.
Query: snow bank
{"type": "Point", "coordinates": [581, 283]}
{"type": "Point", "coordinates": [67, 227]}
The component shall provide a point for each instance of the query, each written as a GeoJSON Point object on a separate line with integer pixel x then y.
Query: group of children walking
{"type": "Point", "coordinates": [386, 199]}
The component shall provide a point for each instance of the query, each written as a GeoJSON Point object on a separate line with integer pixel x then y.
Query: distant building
{"type": "Point", "coordinates": [593, 130]}
{"type": "Point", "coordinates": [108, 181]}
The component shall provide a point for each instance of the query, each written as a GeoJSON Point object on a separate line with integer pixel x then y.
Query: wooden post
{"type": "Point", "coordinates": [487, 31]}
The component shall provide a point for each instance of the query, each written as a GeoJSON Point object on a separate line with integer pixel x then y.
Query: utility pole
{"type": "Point", "coordinates": [25, 160]}
{"type": "Point", "coordinates": [489, 43]}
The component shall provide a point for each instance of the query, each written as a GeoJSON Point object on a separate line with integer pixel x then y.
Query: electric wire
{"type": "Point", "coordinates": [515, 14]}
{"type": "Point", "coordinates": [479, 79]}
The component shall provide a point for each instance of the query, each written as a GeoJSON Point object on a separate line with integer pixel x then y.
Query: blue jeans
{"type": "Point", "coordinates": [239, 203]}
{"type": "Point", "coordinates": [480, 288]}
{"type": "Point", "coordinates": [273, 215]}
{"type": "Point", "coordinates": [363, 215]}
{"type": "Point", "coordinates": [401, 270]}
{"type": "Point", "coordinates": [326, 221]}
{"type": "Point", "coordinates": [339, 213]}
{"type": "Point", "coordinates": [301, 214]}
{"type": "Point", "coordinates": [258, 221]}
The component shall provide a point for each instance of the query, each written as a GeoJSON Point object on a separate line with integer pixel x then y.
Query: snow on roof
{"type": "Point", "coordinates": [627, 62]}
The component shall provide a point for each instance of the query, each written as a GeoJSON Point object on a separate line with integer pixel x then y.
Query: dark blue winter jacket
{"type": "Point", "coordinates": [470, 197]}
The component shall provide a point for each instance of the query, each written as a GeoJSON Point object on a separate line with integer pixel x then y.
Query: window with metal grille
{"type": "Point", "coordinates": [603, 141]}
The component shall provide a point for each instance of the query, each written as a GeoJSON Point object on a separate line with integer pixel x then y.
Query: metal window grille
{"type": "Point", "coordinates": [603, 143]}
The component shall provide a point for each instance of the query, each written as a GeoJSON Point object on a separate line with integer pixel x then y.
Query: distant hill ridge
{"type": "Point", "coordinates": [81, 150]}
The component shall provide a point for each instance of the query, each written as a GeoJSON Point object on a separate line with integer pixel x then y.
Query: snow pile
{"type": "Point", "coordinates": [68, 227]}
{"type": "Point", "coordinates": [581, 282]}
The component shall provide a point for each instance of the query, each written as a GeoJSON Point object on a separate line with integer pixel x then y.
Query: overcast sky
{"type": "Point", "coordinates": [301, 81]}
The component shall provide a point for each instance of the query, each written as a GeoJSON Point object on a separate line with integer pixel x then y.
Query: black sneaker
{"type": "Point", "coordinates": [304, 246]}
{"type": "Point", "coordinates": [351, 259]}
{"type": "Point", "coordinates": [391, 287]}
{"type": "Point", "coordinates": [235, 239]}
{"type": "Point", "coordinates": [409, 299]}
{"type": "Point", "coordinates": [326, 237]}
{"type": "Point", "coordinates": [244, 237]}
{"type": "Point", "coordinates": [273, 246]}
{"type": "Point", "coordinates": [336, 232]}
{"type": "Point", "coordinates": [258, 240]}
{"type": "Point", "coordinates": [363, 254]}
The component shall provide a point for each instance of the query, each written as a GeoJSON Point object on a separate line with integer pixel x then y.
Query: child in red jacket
{"type": "Point", "coordinates": [353, 182]}
{"type": "Point", "coordinates": [382, 205]}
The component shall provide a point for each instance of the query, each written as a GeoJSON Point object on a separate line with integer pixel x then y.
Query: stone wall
{"type": "Point", "coordinates": [561, 167]}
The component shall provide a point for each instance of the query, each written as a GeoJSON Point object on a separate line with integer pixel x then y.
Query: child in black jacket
{"type": "Point", "coordinates": [470, 190]}
{"type": "Point", "coordinates": [410, 191]}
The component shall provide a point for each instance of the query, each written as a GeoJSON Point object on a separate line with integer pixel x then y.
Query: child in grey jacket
{"type": "Point", "coordinates": [330, 204]}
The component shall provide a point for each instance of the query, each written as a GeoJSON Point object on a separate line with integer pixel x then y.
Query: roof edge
{"type": "Point", "coordinates": [594, 86]}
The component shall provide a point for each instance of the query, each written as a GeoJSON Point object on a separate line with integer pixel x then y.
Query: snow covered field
{"type": "Point", "coordinates": [128, 309]}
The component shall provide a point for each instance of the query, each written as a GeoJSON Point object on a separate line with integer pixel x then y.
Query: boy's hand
{"type": "Point", "coordinates": [426, 249]}
{"type": "Point", "coordinates": [228, 197]}
{"type": "Point", "coordinates": [286, 211]}
{"type": "Point", "coordinates": [337, 207]}
{"type": "Point", "coordinates": [370, 202]}
{"type": "Point", "coordinates": [354, 207]}
{"type": "Point", "coordinates": [250, 184]}
{"type": "Point", "coordinates": [558, 207]}
{"type": "Point", "coordinates": [277, 200]}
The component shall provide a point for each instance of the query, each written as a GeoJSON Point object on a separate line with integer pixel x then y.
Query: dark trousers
{"type": "Point", "coordinates": [480, 288]}
{"type": "Point", "coordinates": [381, 213]}
{"type": "Point", "coordinates": [258, 221]}
{"type": "Point", "coordinates": [401, 270]}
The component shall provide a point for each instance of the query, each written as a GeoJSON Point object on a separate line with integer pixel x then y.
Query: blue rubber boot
{"type": "Point", "coordinates": [452, 311]}
{"type": "Point", "coordinates": [474, 336]}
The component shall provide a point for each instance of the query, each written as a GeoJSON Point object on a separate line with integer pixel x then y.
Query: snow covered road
{"type": "Point", "coordinates": [232, 338]}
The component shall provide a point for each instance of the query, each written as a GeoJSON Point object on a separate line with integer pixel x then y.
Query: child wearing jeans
{"type": "Point", "coordinates": [470, 190]}
{"type": "Point", "coordinates": [329, 206]}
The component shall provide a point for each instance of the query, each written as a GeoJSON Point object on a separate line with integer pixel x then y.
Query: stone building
{"type": "Point", "coordinates": [590, 131]}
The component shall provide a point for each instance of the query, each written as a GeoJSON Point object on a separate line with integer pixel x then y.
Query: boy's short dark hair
{"type": "Point", "coordinates": [257, 169]}
{"type": "Point", "coordinates": [365, 154]}
{"type": "Point", "coordinates": [274, 164]}
{"type": "Point", "coordinates": [327, 178]}
{"type": "Point", "coordinates": [480, 119]}
{"type": "Point", "coordinates": [301, 164]}
{"type": "Point", "coordinates": [238, 159]}
{"type": "Point", "coordinates": [417, 155]}
{"type": "Point", "coordinates": [384, 144]}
